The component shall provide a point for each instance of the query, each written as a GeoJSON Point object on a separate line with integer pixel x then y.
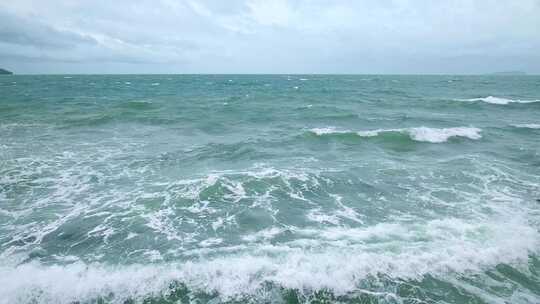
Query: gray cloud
{"type": "Point", "coordinates": [21, 31]}
{"type": "Point", "coordinates": [263, 36]}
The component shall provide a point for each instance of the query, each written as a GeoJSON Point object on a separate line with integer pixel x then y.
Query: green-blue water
{"type": "Point", "coordinates": [269, 189]}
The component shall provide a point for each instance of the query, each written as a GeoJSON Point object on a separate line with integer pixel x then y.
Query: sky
{"type": "Point", "coordinates": [270, 36]}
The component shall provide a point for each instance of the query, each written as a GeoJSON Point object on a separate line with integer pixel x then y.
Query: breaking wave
{"type": "Point", "coordinates": [499, 100]}
{"type": "Point", "coordinates": [340, 261]}
{"type": "Point", "coordinates": [527, 126]}
{"type": "Point", "coordinates": [422, 134]}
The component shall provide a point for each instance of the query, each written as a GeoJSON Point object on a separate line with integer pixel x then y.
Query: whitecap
{"type": "Point", "coordinates": [211, 242]}
{"type": "Point", "coordinates": [527, 126]}
{"type": "Point", "coordinates": [499, 100]}
{"type": "Point", "coordinates": [423, 134]}
{"type": "Point", "coordinates": [319, 216]}
{"type": "Point", "coordinates": [432, 135]}
{"type": "Point", "coordinates": [131, 235]}
{"type": "Point", "coordinates": [20, 125]}
{"type": "Point", "coordinates": [264, 234]}
{"type": "Point", "coordinates": [373, 133]}
{"type": "Point", "coordinates": [441, 135]}
{"type": "Point", "coordinates": [445, 249]}
{"type": "Point", "coordinates": [153, 255]}
{"type": "Point", "coordinates": [328, 130]}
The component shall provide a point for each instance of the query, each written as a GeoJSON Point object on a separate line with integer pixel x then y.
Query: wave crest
{"type": "Point", "coordinates": [442, 135]}
{"type": "Point", "coordinates": [499, 100]}
{"type": "Point", "coordinates": [527, 126]}
{"type": "Point", "coordinates": [421, 134]}
{"type": "Point", "coordinates": [438, 248]}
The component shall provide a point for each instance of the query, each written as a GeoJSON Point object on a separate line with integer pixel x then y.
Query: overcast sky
{"type": "Point", "coordinates": [265, 36]}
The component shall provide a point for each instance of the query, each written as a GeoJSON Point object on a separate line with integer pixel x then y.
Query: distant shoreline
{"type": "Point", "coordinates": [5, 72]}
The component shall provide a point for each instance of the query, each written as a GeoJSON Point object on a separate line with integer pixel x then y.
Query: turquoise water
{"type": "Point", "coordinates": [269, 189]}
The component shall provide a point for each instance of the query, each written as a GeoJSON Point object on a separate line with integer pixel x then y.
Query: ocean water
{"type": "Point", "coordinates": [269, 189]}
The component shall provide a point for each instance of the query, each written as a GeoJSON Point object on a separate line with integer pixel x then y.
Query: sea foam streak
{"type": "Point", "coordinates": [527, 126]}
{"type": "Point", "coordinates": [329, 130]}
{"type": "Point", "coordinates": [499, 100]}
{"type": "Point", "coordinates": [423, 134]}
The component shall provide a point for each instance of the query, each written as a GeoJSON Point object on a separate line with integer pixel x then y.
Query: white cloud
{"type": "Point", "coordinates": [273, 36]}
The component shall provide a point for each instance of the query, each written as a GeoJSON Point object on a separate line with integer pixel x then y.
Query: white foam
{"type": "Point", "coordinates": [425, 134]}
{"type": "Point", "coordinates": [346, 211]}
{"type": "Point", "coordinates": [335, 215]}
{"type": "Point", "coordinates": [336, 258]}
{"type": "Point", "coordinates": [441, 248]}
{"type": "Point", "coordinates": [317, 215]}
{"type": "Point", "coordinates": [499, 100]}
{"type": "Point", "coordinates": [328, 130]}
{"type": "Point", "coordinates": [527, 126]}
{"type": "Point", "coordinates": [153, 255]}
{"type": "Point", "coordinates": [432, 135]}
{"type": "Point", "coordinates": [264, 234]}
{"type": "Point", "coordinates": [16, 125]}
{"type": "Point", "coordinates": [131, 235]}
{"type": "Point", "coordinates": [441, 135]}
{"type": "Point", "coordinates": [339, 258]}
{"type": "Point", "coordinates": [211, 242]}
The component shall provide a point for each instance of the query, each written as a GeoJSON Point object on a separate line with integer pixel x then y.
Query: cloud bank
{"type": "Point", "coordinates": [264, 36]}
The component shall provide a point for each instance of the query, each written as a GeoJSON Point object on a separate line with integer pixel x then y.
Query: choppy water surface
{"type": "Point", "coordinates": [269, 189]}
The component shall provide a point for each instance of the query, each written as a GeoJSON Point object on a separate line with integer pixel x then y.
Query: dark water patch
{"type": "Point", "coordinates": [139, 105]}
{"type": "Point", "coordinates": [8, 108]}
{"type": "Point", "coordinates": [88, 120]}
{"type": "Point", "coordinates": [230, 152]}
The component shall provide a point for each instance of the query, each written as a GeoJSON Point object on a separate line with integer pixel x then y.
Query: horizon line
{"type": "Point", "coordinates": [285, 74]}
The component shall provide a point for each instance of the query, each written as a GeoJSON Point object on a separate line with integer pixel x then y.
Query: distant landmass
{"type": "Point", "coordinates": [510, 73]}
{"type": "Point", "coordinates": [5, 72]}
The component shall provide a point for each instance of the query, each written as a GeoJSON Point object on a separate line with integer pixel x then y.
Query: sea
{"type": "Point", "coordinates": [269, 189]}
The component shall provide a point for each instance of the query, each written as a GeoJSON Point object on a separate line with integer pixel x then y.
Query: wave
{"type": "Point", "coordinates": [499, 100]}
{"type": "Point", "coordinates": [445, 249]}
{"type": "Point", "coordinates": [329, 130]}
{"type": "Point", "coordinates": [422, 134]}
{"type": "Point", "coordinates": [138, 105]}
{"type": "Point", "coordinates": [11, 126]}
{"type": "Point", "coordinates": [527, 126]}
